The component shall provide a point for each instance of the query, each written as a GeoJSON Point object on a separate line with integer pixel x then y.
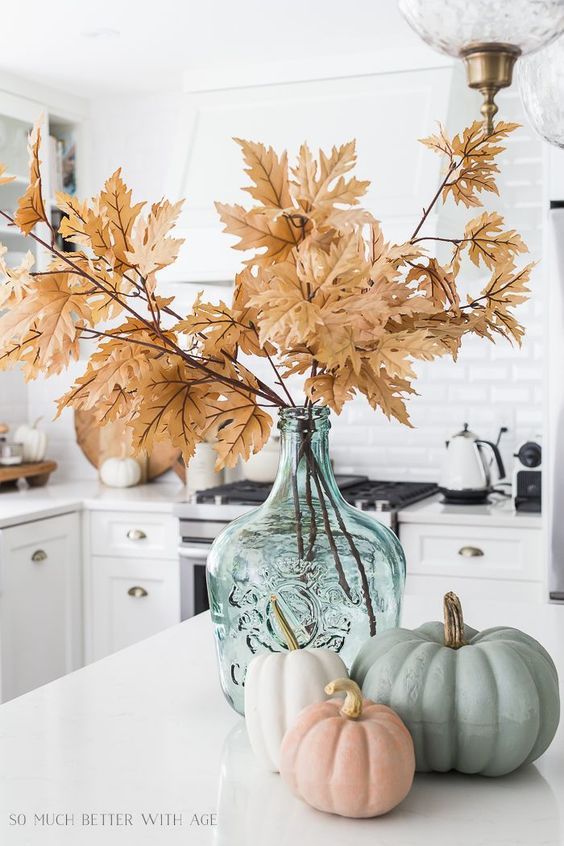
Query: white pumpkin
{"type": "Point", "coordinates": [120, 472]}
{"type": "Point", "coordinates": [33, 440]}
{"type": "Point", "coordinates": [278, 685]}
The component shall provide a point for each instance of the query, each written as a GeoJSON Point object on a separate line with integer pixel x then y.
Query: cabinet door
{"type": "Point", "coordinates": [40, 603]}
{"type": "Point", "coordinates": [131, 600]}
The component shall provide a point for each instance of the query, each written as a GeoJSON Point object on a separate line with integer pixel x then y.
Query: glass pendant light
{"type": "Point", "coordinates": [541, 80]}
{"type": "Point", "coordinates": [488, 36]}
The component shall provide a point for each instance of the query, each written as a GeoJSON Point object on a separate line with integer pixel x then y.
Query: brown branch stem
{"type": "Point", "coordinates": [189, 359]}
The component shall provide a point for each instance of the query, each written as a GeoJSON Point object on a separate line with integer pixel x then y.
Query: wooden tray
{"type": "Point", "coordinates": [35, 473]}
{"type": "Point", "coordinates": [90, 440]}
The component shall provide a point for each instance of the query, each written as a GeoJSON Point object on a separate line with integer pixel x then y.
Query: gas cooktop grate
{"type": "Point", "coordinates": [388, 496]}
{"type": "Point", "coordinates": [358, 490]}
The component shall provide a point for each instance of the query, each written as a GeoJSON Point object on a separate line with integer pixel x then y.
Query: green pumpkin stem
{"type": "Point", "coordinates": [279, 616]}
{"type": "Point", "coordinates": [454, 621]}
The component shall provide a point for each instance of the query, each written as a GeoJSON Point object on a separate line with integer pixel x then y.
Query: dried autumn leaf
{"type": "Point", "coordinates": [335, 346]}
{"type": "Point", "coordinates": [492, 310]}
{"type": "Point", "coordinates": [121, 361]}
{"type": "Point", "coordinates": [216, 326]}
{"type": "Point", "coordinates": [285, 314]}
{"type": "Point", "coordinates": [488, 243]}
{"type": "Point", "coordinates": [256, 231]}
{"type": "Point", "coordinates": [247, 284]}
{"type": "Point", "coordinates": [31, 209]}
{"type": "Point", "coordinates": [436, 282]}
{"type": "Point", "coordinates": [17, 282]}
{"type": "Point", "coordinates": [173, 410]}
{"type": "Point", "coordinates": [269, 174]}
{"type": "Point", "coordinates": [385, 392]}
{"type": "Point", "coordinates": [119, 213]}
{"type": "Point", "coordinates": [120, 404]}
{"type": "Point", "coordinates": [319, 187]}
{"type": "Point", "coordinates": [332, 389]}
{"type": "Point", "coordinates": [58, 307]}
{"type": "Point", "coordinates": [471, 167]}
{"type": "Point", "coordinates": [73, 222]}
{"type": "Point", "coordinates": [328, 275]}
{"type": "Point", "coordinates": [151, 249]}
{"type": "Point", "coordinates": [23, 353]}
{"type": "Point", "coordinates": [395, 351]}
{"type": "Point", "coordinates": [240, 426]}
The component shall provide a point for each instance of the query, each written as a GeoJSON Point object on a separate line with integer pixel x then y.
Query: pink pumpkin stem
{"type": "Point", "coordinates": [352, 707]}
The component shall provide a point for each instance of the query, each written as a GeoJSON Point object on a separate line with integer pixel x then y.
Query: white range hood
{"type": "Point", "coordinates": [385, 112]}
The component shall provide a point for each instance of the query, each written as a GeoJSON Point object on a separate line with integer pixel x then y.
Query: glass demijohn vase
{"type": "Point", "coordinates": [338, 574]}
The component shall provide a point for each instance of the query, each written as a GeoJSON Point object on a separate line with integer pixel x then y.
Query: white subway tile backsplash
{"type": "Point", "coordinates": [527, 373]}
{"type": "Point", "coordinates": [468, 393]}
{"type": "Point", "coordinates": [514, 394]}
{"type": "Point", "coordinates": [488, 373]}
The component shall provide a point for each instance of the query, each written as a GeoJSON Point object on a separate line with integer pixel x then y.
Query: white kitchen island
{"type": "Point", "coordinates": [147, 732]}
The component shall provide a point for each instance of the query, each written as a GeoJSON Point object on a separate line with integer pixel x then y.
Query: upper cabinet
{"type": "Point", "coordinates": [61, 119]}
{"type": "Point", "coordinates": [386, 113]}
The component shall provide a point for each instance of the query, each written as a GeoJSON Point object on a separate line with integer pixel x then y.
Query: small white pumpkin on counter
{"type": "Point", "coordinates": [121, 472]}
{"type": "Point", "coordinates": [33, 441]}
{"type": "Point", "coordinates": [279, 685]}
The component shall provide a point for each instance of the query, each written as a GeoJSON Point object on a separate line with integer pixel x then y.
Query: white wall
{"type": "Point", "coordinates": [13, 398]}
{"type": "Point", "coordinates": [489, 386]}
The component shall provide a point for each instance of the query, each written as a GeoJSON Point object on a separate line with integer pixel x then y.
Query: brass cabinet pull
{"type": "Point", "coordinates": [136, 534]}
{"type": "Point", "coordinates": [137, 591]}
{"type": "Point", "coordinates": [39, 555]}
{"type": "Point", "coordinates": [470, 551]}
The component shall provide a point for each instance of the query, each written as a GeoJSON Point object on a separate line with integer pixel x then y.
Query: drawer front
{"type": "Point", "coordinates": [472, 551]}
{"type": "Point", "coordinates": [134, 534]}
{"type": "Point", "coordinates": [132, 601]}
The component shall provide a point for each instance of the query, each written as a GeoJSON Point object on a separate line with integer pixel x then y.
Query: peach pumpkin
{"type": "Point", "coordinates": [356, 759]}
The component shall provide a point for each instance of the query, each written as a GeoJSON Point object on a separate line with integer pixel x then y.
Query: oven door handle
{"type": "Point", "coordinates": [195, 553]}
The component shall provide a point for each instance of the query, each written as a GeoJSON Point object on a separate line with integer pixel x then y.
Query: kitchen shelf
{"type": "Point", "coordinates": [12, 231]}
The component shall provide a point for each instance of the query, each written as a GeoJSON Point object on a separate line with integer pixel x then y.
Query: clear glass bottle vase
{"type": "Point", "coordinates": [337, 572]}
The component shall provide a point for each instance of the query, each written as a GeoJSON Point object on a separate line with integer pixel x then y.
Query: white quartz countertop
{"type": "Point", "coordinates": [499, 512]}
{"type": "Point", "coordinates": [147, 731]}
{"type": "Point", "coordinates": [26, 504]}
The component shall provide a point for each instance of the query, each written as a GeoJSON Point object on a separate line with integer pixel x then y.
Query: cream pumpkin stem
{"type": "Point", "coordinates": [454, 621]}
{"type": "Point", "coordinates": [289, 636]}
{"type": "Point", "coordinates": [352, 707]}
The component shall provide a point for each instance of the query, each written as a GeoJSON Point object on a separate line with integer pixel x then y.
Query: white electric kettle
{"type": "Point", "coordinates": [466, 476]}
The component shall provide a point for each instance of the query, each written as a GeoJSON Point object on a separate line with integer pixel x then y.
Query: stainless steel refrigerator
{"type": "Point", "coordinates": [553, 494]}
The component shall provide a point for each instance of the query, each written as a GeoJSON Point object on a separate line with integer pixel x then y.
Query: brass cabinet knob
{"type": "Point", "coordinates": [39, 555]}
{"type": "Point", "coordinates": [137, 592]}
{"type": "Point", "coordinates": [470, 551]}
{"type": "Point", "coordinates": [136, 534]}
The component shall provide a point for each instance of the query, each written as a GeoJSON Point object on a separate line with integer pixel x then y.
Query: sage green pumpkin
{"type": "Point", "coordinates": [478, 702]}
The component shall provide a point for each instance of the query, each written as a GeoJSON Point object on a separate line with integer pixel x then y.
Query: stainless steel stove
{"type": "Point", "coordinates": [205, 515]}
{"type": "Point", "coordinates": [360, 491]}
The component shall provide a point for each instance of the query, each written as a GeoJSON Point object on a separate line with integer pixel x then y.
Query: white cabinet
{"type": "Point", "coordinates": [40, 603]}
{"type": "Point", "coordinates": [479, 561]}
{"type": "Point", "coordinates": [132, 579]}
{"type": "Point", "coordinates": [132, 600]}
